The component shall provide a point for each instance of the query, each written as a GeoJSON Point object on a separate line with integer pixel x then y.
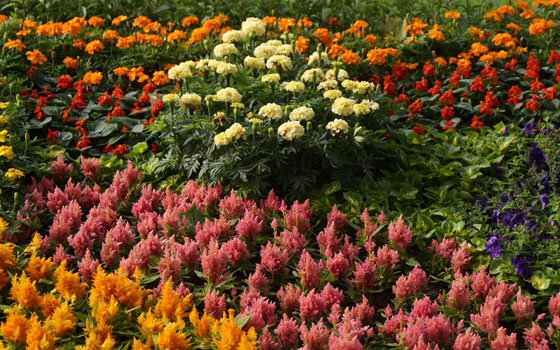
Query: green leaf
{"type": "Point", "coordinates": [412, 262]}
{"type": "Point", "coordinates": [423, 222]}
{"type": "Point", "coordinates": [241, 322]}
{"type": "Point", "coordinates": [539, 280]}
{"type": "Point", "coordinates": [354, 198]}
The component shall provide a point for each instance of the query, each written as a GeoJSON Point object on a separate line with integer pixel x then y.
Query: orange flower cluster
{"type": "Point", "coordinates": [379, 56]}
{"type": "Point", "coordinates": [358, 28]}
{"type": "Point", "coordinates": [540, 25]}
{"type": "Point", "coordinates": [416, 27]}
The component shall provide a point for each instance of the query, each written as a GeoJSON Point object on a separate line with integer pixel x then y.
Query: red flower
{"type": "Point", "coordinates": [105, 99]}
{"type": "Point", "coordinates": [533, 104]}
{"type": "Point", "coordinates": [477, 84]}
{"type": "Point", "coordinates": [418, 129]}
{"type": "Point", "coordinates": [514, 95]}
{"type": "Point", "coordinates": [121, 149]}
{"type": "Point", "coordinates": [422, 85]}
{"type": "Point", "coordinates": [447, 98]}
{"type": "Point", "coordinates": [429, 69]}
{"type": "Point", "coordinates": [52, 136]}
{"type": "Point", "coordinates": [415, 107]}
{"type": "Point", "coordinates": [447, 112]}
{"type": "Point", "coordinates": [476, 123]}
{"type": "Point", "coordinates": [64, 82]}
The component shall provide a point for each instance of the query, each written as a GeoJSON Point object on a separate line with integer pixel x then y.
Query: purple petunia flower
{"type": "Point", "coordinates": [494, 246]}
{"type": "Point", "coordinates": [521, 265]}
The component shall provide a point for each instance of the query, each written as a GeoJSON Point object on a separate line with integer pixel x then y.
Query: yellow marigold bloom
{"type": "Point", "coordinates": [118, 20]}
{"type": "Point", "coordinates": [441, 61]}
{"type": "Point", "coordinates": [170, 305]}
{"type": "Point", "coordinates": [110, 35]}
{"type": "Point", "coordinates": [48, 304]}
{"type": "Point", "coordinates": [39, 268]}
{"type": "Point", "coordinates": [37, 335]}
{"type": "Point", "coordinates": [94, 46]}
{"type": "Point", "coordinates": [540, 25]}
{"type": "Point", "coordinates": [504, 39]}
{"type": "Point", "coordinates": [201, 325]}
{"type": "Point", "coordinates": [350, 57]}
{"type": "Point", "coordinates": [6, 151]}
{"type": "Point", "coordinates": [62, 320]}
{"type": "Point", "coordinates": [23, 291]}
{"type": "Point", "coordinates": [70, 62]}
{"type": "Point", "coordinates": [13, 174]}
{"type": "Point", "coordinates": [189, 21]}
{"type": "Point", "coordinates": [15, 327]}
{"type": "Point", "coordinates": [92, 78]}
{"type": "Point", "coordinates": [141, 21]}
{"type": "Point", "coordinates": [435, 33]}
{"type": "Point", "coordinates": [4, 105]}
{"type": "Point", "coordinates": [68, 284]}
{"type": "Point", "coordinates": [95, 21]}
{"type": "Point", "coordinates": [173, 339]}
{"type": "Point", "coordinates": [452, 15]}
{"type": "Point", "coordinates": [15, 44]}
{"type": "Point", "coordinates": [36, 57]}
{"type": "Point", "coordinates": [3, 135]}
{"type": "Point", "coordinates": [121, 71]}
{"type": "Point", "coordinates": [512, 26]}
{"type": "Point", "coordinates": [7, 257]}
{"type": "Point", "coordinates": [416, 27]}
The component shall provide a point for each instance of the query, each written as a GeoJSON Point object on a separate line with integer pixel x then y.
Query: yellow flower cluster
{"type": "Point", "coordinates": [234, 132]}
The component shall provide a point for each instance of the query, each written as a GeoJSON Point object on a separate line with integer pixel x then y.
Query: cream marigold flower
{"type": "Point", "coordinates": [170, 98]}
{"type": "Point", "coordinates": [265, 51]}
{"type": "Point", "coordinates": [190, 101]}
{"type": "Point", "coordinates": [329, 84]}
{"type": "Point", "coordinates": [340, 76]}
{"type": "Point", "coordinates": [181, 71]}
{"type": "Point", "coordinates": [363, 87]}
{"type": "Point", "coordinates": [332, 94]}
{"type": "Point", "coordinates": [314, 74]}
{"type": "Point", "coordinates": [236, 132]}
{"type": "Point", "coordinates": [317, 58]}
{"type": "Point", "coordinates": [337, 127]}
{"type": "Point", "coordinates": [232, 36]}
{"type": "Point", "coordinates": [226, 68]}
{"type": "Point", "coordinates": [343, 106]}
{"type": "Point", "coordinates": [254, 26]}
{"type": "Point", "coordinates": [290, 130]}
{"type": "Point", "coordinates": [361, 109]}
{"type": "Point", "coordinates": [302, 113]}
{"type": "Point", "coordinates": [373, 106]}
{"type": "Point", "coordinates": [294, 86]}
{"type": "Point", "coordinates": [279, 62]}
{"type": "Point", "coordinates": [285, 50]}
{"type": "Point", "coordinates": [272, 111]}
{"type": "Point", "coordinates": [229, 95]}
{"type": "Point", "coordinates": [270, 78]}
{"type": "Point", "coordinates": [222, 50]}
{"type": "Point", "coordinates": [255, 62]}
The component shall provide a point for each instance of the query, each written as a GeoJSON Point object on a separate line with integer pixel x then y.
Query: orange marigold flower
{"type": "Point", "coordinates": [477, 33]}
{"type": "Point", "coordinates": [135, 73]}
{"type": "Point", "coordinates": [152, 27]}
{"type": "Point", "coordinates": [49, 29]}
{"type": "Point", "coordinates": [92, 78]}
{"type": "Point", "coordinates": [126, 42]}
{"type": "Point", "coordinates": [504, 39]}
{"type": "Point", "coordinates": [95, 21]}
{"type": "Point", "coordinates": [494, 15]}
{"type": "Point", "coordinates": [416, 27]}
{"type": "Point", "coordinates": [305, 22]}
{"type": "Point", "coordinates": [522, 5]}
{"type": "Point", "coordinates": [94, 46]}
{"type": "Point", "coordinates": [39, 268]}
{"type": "Point", "coordinates": [540, 25]}
{"type": "Point", "coordinates": [358, 27]}
{"type": "Point", "coordinates": [270, 20]}
{"type": "Point", "coordinates": [336, 50]}
{"type": "Point", "coordinates": [176, 35]}
{"type": "Point", "coordinates": [15, 44]}
{"type": "Point", "coordinates": [440, 61]}
{"type": "Point", "coordinates": [527, 14]}
{"type": "Point", "coordinates": [118, 20]}
{"type": "Point", "coordinates": [36, 57]}
{"type": "Point", "coordinates": [141, 21]}
{"type": "Point", "coordinates": [322, 34]}
{"type": "Point", "coordinates": [199, 34]}
{"type": "Point", "coordinates": [189, 21]}
{"type": "Point", "coordinates": [506, 10]}
{"type": "Point", "coordinates": [371, 39]}
{"type": "Point", "coordinates": [15, 327]}
{"type": "Point", "coordinates": [3, 18]}
{"type": "Point", "coordinates": [110, 35]}
{"type": "Point", "coordinates": [478, 49]}
{"type": "Point", "coordinates": [302, 44]}
{"type": "Point", "coordinates": [285, 24]}
{"type": "Point", "coordinates": [23, 291]}
{"type": "Point", "coordinates": [214, 24]}
{"type": "Point", "coordinates": [512, 26]}
{"type": "Point", "coordinates": [435, 33]}
{"type": "Point", "coordinates": [79, 44]}
{"type": "Point", "coordinates": [350, 57]}
{"type": "Point", "coordinates": [379, 56]}
{"type": "Point", "coordinates": [74, 26]}
{"type": "Point", "coordinates": [333, 21]}
{"type": "Point", "coordinates": [452, 15]}
{"type": "Point", "coordinates": [160, 78]}
{"type": "Point", "coordinates": [70, 62]}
